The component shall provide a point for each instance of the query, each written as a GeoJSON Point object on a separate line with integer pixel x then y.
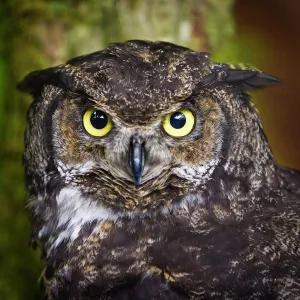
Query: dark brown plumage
{"type": "Point", "coordinates": [145, 210]}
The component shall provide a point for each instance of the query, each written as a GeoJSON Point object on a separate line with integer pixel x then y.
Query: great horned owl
{"type": "Point", "coordinates": [150, 177]}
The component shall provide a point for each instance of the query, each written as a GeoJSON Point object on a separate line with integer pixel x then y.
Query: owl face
{"type": "Point", "coordinates": [95, 146]}
{"type": "Point", "coordinates": [135, 126]}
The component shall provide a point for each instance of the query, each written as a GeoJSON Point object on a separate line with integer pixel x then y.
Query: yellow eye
{"type": "Point", "coordinates": [97, 122]}
{"type": "Point", "coordinates": [179, 123]}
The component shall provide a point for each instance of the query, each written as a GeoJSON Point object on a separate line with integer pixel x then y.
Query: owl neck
{"type": "Point", "coordinates": [251, 159]}
{"type": "Point", "coordinates": [248, 174]}
{"type": "Point", "coordinates": [249, 155]}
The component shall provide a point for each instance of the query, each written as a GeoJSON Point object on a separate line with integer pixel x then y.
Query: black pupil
{"type": "Point", "coordinates": [178, 120]}
{"type": "Point", "coordinates": [99, 119]}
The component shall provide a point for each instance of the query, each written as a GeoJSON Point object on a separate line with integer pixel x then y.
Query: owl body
{"type": "Point", "coordinates": [150, 177]}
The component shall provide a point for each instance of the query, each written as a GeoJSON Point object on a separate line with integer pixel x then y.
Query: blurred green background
{"type": "Point", "coordinates": [41, 33]}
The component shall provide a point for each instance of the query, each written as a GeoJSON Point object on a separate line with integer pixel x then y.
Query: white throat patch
{"type": "Point", "coordinates": [73, 211]}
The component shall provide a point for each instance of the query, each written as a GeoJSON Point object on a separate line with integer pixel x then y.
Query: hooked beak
{"type": "Point", "coordinates": [136, 159]}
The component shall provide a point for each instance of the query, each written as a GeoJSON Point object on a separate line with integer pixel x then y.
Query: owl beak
{"type": "Point", "coordinates": [136, 160]}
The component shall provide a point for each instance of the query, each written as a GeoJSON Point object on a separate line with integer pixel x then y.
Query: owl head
{"type": "Point", "coordinates": [139, 126]}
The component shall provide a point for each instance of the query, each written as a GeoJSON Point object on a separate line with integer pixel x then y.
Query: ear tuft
{"type": "Point", "coordinates": [245, 79]}
{"type": "Point", "coordinates": [261, 80]}
{"type": "Point", "coordinates": [237, 76]}
{"type": "Point", "coordinates": [34, 82]}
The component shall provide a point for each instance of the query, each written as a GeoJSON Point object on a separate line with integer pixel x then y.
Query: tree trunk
{"type": "Point", "coordinates": [41, 33]}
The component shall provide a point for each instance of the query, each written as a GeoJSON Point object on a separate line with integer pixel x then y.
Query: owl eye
{"type": "Point", "coordinates": [97, 122]}
{"type": "Point", "coordinates": [179, 123]}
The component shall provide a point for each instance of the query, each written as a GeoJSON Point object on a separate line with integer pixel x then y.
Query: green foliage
{"type": "Point", "coordinates": [20, 266]}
